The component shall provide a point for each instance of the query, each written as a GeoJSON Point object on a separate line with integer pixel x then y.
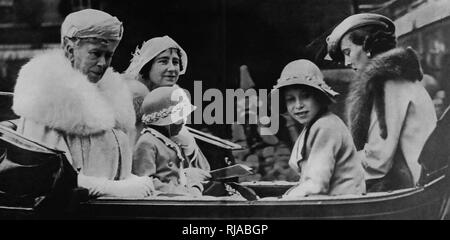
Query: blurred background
{"type": "Point", "coordinates": [228, 39]}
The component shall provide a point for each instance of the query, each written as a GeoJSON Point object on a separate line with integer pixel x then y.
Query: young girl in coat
{"type": "Point", "coordinates": [165, 110]}
{"type": "Point", "coordinates": [324, 154]}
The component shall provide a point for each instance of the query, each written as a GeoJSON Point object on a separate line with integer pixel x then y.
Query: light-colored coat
{"type": "Point", "coordinates": [184, 138]}
{"type": "Point", "coordinates": [326, 159]}
{"type": "Point", "coordinates": [390, 113]}
{"type": "Point", "coordinates": [410, 119]}
{"type": "Point", "coordinates": [157, 156]}
{"type": "Point", "coordinates": [59, 107]}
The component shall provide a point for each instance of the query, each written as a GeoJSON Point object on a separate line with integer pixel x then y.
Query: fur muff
{"type": "Point", "coordinates": [367, 90]}
{"type": "Point", "coordinates": [49, 91]}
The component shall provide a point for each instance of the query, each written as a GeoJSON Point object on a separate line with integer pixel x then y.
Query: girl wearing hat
{"type": "Point", "coordinates": [159, 62]}
{"type": "Point", "coordinates": [390, 113]}
{"type": "Point", "coordinates": [165, 110]}
{"type": "Point", "coordinates": [324, 154]}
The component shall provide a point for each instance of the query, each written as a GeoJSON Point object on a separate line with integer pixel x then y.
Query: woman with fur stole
{"type": "Point", "coordinates": [390, 113]}
{"type": "Point", "coordinates": [71, 100]}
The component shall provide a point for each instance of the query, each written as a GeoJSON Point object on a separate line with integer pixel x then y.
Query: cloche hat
{"type": "Point", "coordinates": [304, 72]}
{"type": "Point", "coordinates": [166, 105]}
{"type": "Point", "coordinates": [150, 49]}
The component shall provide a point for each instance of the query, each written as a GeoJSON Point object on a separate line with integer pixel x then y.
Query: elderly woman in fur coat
{"type": "Point", "coordinates": [71, 100]}
{"type": "Point", "coordinates": [390, 113]}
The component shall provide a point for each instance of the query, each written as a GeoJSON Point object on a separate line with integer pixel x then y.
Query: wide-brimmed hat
{"type": "Point", "coordinates": [166, 105]}
{"type": "Point", "coordinates": [150, 49]}
{"type": "Point", "coordinates": [304, 72]}
{"type": "Point", "coordinates": [351, 23]}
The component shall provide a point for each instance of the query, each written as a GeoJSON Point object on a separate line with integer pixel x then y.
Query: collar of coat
{"type": "Point", "coordinates": [367, 89]}
{"type": "Point", "coordinates": [51, 92]}
{"type": "Point", "coordinates": [167, 141]}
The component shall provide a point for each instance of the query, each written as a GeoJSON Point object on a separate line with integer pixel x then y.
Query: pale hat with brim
{"type": "Point", "coordinates": [351, 23]}
{"type": "Point", "coordinates": [150, 49]}
{"type": "Point", "coordinates": [166, 105]}
{"type": "Point", "coordinates": [91, 23]}
{"type": "Point", "coordinates": [304, 72]}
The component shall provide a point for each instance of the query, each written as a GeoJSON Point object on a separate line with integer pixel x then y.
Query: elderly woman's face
{"type": "Point", "coordinates": [355, 56]}
{"type": "Point", "coordinates": [165, 69]}
{"type": "Point", "coordinates": [92, 58]}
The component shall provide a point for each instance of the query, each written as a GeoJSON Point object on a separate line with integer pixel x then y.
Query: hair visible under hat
{"type": "Point", "coordinates": [383, 29]}
{"type": "Point", "coordinates": [149, 50]}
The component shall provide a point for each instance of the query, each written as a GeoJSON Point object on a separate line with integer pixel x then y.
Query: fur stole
{"type": "Point", "coordinates": [49, 91]}
{"type": "Point", "coordinates": [367, 90]}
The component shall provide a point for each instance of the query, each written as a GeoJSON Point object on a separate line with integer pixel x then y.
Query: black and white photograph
{"type": "Point", "coordinates": [228, 110]}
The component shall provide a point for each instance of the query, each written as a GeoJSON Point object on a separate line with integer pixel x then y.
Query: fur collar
{"type": "Point", "coordinates": [51, 92]}
{"type": "Point", "coordinates": [367, 89]}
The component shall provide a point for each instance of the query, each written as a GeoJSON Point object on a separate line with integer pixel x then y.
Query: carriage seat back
{"type": "Point", "coordinates": [435, 154]}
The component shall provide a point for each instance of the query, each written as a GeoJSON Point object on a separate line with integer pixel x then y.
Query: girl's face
{"type": "Point", "coordinates": [301, 105]}
{"type": "Point", "coordinates": [165, 69]}
{"type": "Point", "coordinates": [355, 56]}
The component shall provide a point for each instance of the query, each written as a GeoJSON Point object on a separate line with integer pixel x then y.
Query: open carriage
{"type": "Point", "coordinates": [428, 200]}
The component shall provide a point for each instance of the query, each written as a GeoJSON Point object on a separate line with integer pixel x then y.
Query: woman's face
{"type": "Point", "coordinates": [165, 69]}
{"type": "Point", "coordinates": [355, 56]}
{"type": "Point", "coordinates": [92, 58]}
{"type": "Point", "coordinates": [301, 105]}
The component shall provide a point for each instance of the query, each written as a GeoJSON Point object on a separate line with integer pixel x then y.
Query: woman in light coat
{"type": "Point", "coordinates": [390, 113]}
